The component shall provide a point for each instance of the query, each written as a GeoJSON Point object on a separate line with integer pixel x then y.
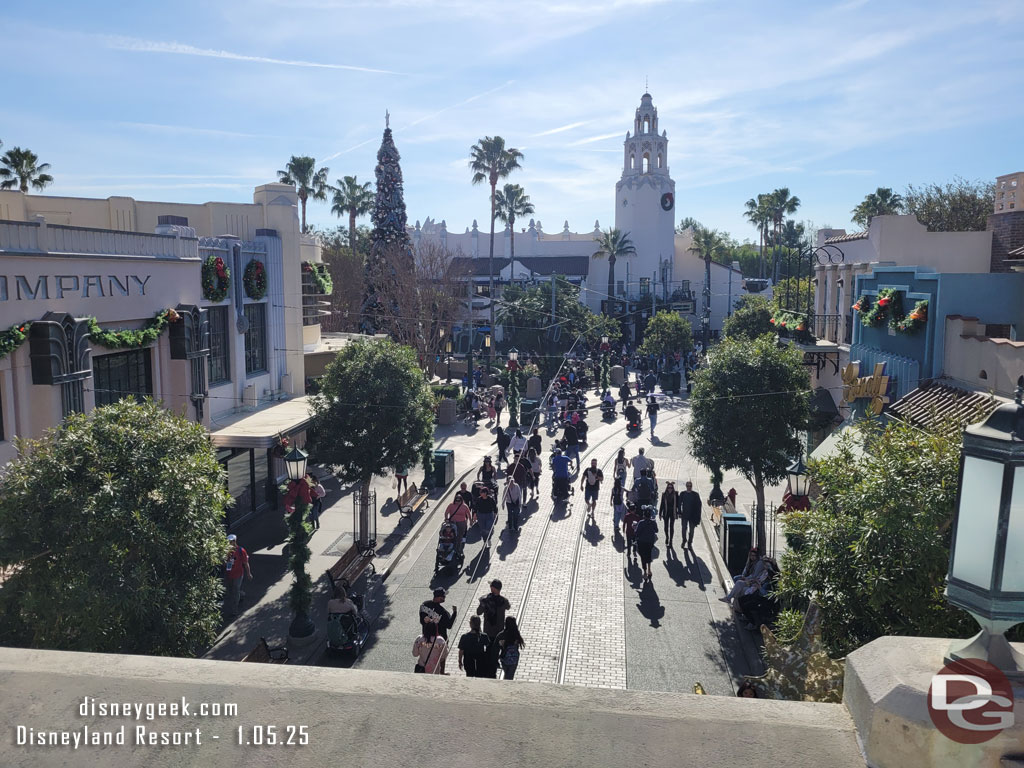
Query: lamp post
{"type": "Point", "coordinates": [487, 348]}
{"type": "Point", "coordinates": [513, 387]}
{"type": "Point", "coordinates": [605, 346]}
{"type": "Point", "coordinates": [797, 478]}
{"type": "Point", "coordinates": [448, 359]}
{"type": "Point", "coordinates": [440, 334]}
{"type": "Point", "coordinates": [296, 502]}
{"type": "Point", "coordinates": [986, 574]}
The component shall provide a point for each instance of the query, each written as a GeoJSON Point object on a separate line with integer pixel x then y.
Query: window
{"type": "Point", "coordinates": [220, 344]}
{"type": "Point", "coordinates": [645, 286]}
{"type": "Point", "coordinates": [647, 164]}
{"type": "Point", "coordinates": [256, 338]}
{"type": "Point", "coordinates": [620, 289]}
{"type": "Point", "coordinates": [482, 290]}
{"type": "Point", "coordinates": [661, 160]}
{"type": "Point", "coordinates": [122, 374]}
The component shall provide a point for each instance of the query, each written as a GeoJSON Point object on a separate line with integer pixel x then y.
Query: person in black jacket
{"type": "Point", "coordinates": [689, 502]}
{"type": "Point", "coordinates": [668, 511]}
{"type": "Point", "coordinates": [646, 535]}
{"type": "Point", "coordinates": [433, 612]}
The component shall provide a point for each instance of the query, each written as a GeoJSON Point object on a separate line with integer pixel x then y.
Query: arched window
{"type": "Point", "coordinates": [632, 162]}
{"type": "Point", "coordinates": [647, 163]}
{"type": "Point", "coordinates": [661, 160]}
{"type": "Point", "coordinates": [647, 125]}
{"type": "Point", "coordinates": [983, 375]}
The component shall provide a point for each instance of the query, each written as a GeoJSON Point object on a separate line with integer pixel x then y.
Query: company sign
{"type": "Point", "coordinates": [873, 387]}
{"type": "Point", "coordinates": [22, 288]}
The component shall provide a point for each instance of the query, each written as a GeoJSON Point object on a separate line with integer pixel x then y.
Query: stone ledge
{"type": "Point", "coordinates": [358, 718]}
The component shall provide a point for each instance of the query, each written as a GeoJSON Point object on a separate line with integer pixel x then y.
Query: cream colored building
{"type": "Point", "coordinates": [234, 365]}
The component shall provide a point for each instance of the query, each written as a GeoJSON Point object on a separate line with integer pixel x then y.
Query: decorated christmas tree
{"type": "Point", "coordinates": [390, 249]}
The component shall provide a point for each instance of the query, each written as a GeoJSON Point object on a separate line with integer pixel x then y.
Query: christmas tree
{"type": "Point", "coordinates": [390, 249]}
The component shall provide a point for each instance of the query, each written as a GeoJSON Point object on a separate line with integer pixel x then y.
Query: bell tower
{"type": "Point", "coordinates": [644, 200]}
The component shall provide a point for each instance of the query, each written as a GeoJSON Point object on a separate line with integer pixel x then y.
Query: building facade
{"type": "Point", "coordinates": [72, 270]}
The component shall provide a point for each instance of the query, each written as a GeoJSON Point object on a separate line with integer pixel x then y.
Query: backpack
{"type": "Point", "coordinates": [510, 657]}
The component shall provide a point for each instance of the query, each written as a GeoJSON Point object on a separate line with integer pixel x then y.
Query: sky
{"type": "Point", "coordinates": [202, 100]}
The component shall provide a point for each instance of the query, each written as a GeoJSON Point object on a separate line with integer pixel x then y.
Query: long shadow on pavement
{"type": "Point", "coordinates": [650, 606]}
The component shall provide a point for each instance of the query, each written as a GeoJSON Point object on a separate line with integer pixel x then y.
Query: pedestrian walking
{"type": "Point", "coordinates": [513, 502]}
{"type": "Point", "coordinates": [591, 486]}
{"type": "Point", "coordinates": [318, 492]}
{"type": "Point", "coordinates": [509, 643]}
{"type": "Point", "coordinates": [668, 510]}
{"type": "Point", "coordinates": [236, 568]}
{"type": "Point", "coordinates": [503, 441]}
{"type": "Point", "coordinates": [640, 463]}
{"type": "Point", "coordinates": [459, 513]}
{"type": "Point", "coordinates": [618, 503]}
{"type": "Point", "coordinates": [646, 536]}
{"type": "Point", "coordinates": [629, 524]}
{"type": "Point", "coordinates": [689, 502]}
{"type": "Point", "coordinates": [433, 612]}
{"type": "Point", "coordinates": [486, 512]}
{"type": "Point", "coordinates": [430, 650]}
{"type": "Point", "coordinates": [534, 443]}
{"type": "Point", "coordinates": [518, 443]}
{"type": "Point", "coordinates": [536, 467]}
{"type": "Point", "coordinates": [652, 414]}
{"type": "Point", "coordinates": [492, 608]}
{"type": "Point", "coordinates": [499, 406]}
{"type": "Point", "coordinates": [644, 488]}
{"type": "Point", "coordinates": [621, 466]}
{"type": "Point", "coordinates": [571, 441]}
{"type": "Point", "coordinates": [473, 649]}
{"type": "Point", "coordinates": [402, 480]}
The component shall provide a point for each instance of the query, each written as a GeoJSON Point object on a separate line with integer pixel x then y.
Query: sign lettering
{"type": "Point", "coordinates": [67, 286]}
{"type": "Point", "coordinates": [873, 387]}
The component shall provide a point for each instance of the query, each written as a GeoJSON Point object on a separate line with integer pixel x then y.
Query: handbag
{"type": "Point", "coordinates": [420, 668]}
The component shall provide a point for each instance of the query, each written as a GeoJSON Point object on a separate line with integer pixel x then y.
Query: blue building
{"type": "Point", "coordinates": [911, 357]}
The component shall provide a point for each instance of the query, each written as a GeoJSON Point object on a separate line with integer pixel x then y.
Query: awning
{"type": "Point", "coordinates": [830, 444]}
{"type": "Point", "coordinates": [823, 409]}
{"type": "Point", "coordinates": [259, 429]}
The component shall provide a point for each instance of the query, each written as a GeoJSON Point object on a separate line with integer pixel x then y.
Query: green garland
{"type": "Point", "coordinates": [916, 320]}
{"type": "Point", "coordinates": [791, 324]}
{"type": "Point", "coordinates": [895, 308]}
{"type": "Point", "coordinates": [879, 311]}
{"type": "Point", "coordinates": [255, 280]}
{"type": "Point", "coordinates": [123, 339]}
{"type": "Point", "coordinates": [321, 277]}
{"type": "Point", "coordinates": [216, 277]}
{"type": "Point", "coordinates": [13, 338]}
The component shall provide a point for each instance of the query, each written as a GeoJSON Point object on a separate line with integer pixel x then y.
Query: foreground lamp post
{"type": "Point", "coordinates": [513, 387]}
{"type": "Point", "coordinates": [298, 500]}
{"type": "Point", "coordinates": [448, 358]}
{"type": "Point", "coordinates": [798, 479]}
{"type": "Point", "coordinates": [986, 571]}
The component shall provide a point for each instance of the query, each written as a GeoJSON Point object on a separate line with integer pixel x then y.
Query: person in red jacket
{"type": "Point", "coordinates": [235, 569]}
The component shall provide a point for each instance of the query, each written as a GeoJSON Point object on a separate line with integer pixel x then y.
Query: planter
{"type": "Point", "coordinates": [302, 631]}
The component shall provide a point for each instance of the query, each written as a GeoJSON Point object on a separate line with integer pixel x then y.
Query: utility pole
{"type": "Point", "coordinates": [706, 319]}
{"type": "Point", "coordinates": [654, 295]}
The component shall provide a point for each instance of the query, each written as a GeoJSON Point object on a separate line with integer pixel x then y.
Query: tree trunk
{"type": "Point", "coordinates": [611, 282]}
{"type": "Point", "coordinates": [302, 199]}
{"type": "Point", "coordinates": [760, 251]}
{"type": "Point", "coordinates": [362, 536]}
{"type": "Point", "coordinates": [759, 513]}
{"type": "Point", "coordinates": [490, 282]}
{"type": "Point", "coordinates": [352, 231]}
{"type": "Point", "coordinates": [24, 185]}
{"type": "Point", "coordinates": [512, 229]}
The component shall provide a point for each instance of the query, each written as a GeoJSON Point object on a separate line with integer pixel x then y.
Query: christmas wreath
{"type": "Point", "coordinates": [216, 277]}
{"type": "Point", "coordinates": [880, 311]}
{"type": "Point", "coordinates": [255, 280]}
{"type": "Point", "coordinates": [915, 320]}
{"type": "Point", "coordinates": [13, 338]}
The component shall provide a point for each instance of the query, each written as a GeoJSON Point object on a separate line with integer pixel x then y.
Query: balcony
{"type": "Point", "coordinates": [315, 291]}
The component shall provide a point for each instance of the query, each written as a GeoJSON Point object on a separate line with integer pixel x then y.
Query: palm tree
{"type": "Point", "coordinates": [757, 213]}
{"type": "Point", "coordinates": [353, 198]}
{"type": "Point", "coordinates": [309, 182]}
{"type": "Point", "coordinates": [707, 243]}
{"type": "Point", "coordinates": [490, 160]}
{"type": "Point", "coordinates": [21, 168]}
{"type": "Point", "coordinates": [781, 203]}
{"type": "Point", "coordinates": [612, 245]}
{"type": "Point", "coordinates": [882, 202]}
{"type": "Point", "coordinates": [512, 203]}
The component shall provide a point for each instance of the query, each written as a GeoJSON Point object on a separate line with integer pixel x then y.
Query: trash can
{"type": "Point", "coordinates": [736, 539]}
{"type": "Point", "coordinates": [669, 381]}
{"type": "Point", "coordinates": [721, 524]}
{"type": "Point", "coordinates": [527, 411]}
{"type": "Point", "coordinates": [444, 467]}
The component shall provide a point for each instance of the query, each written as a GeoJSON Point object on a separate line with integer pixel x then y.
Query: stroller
{"type": "Point", "coordinates": [449, 554]}
{"type": "Point", "coordinates": [561, 488]}
{"type": "Point", "coordinates": [346, 632]}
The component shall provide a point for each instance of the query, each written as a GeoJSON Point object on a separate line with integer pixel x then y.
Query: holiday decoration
{"type": "Point", "coordinates": [13, 338]}
{"type": "Point", "coordinates": [122, 339]}
{"type": "Point", "coordinates": [321, 276]}
{"type": "Point", "coordinates": [215, 278]}
{"type": "Point", "coordinates": [916, 319]}
{"type": "Point", "coordinates": [390, 248]}
{"type": "Point", "coordinates": [863, 304]}
{"type": "Point", "coordinates": [254, 279]}
{"type": "Point", "coordinates": [879, 312]}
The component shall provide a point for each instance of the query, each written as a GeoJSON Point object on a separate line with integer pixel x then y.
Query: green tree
{"type": "Point", "coordinates": [758, 212]}
{"type": "Point", "coordinates": [882, 202]}
{"type": "Point", "coordinates": [794, 294]}
{"type": "Point", "coordinates": [792, 235]}
{"type": "Point", "coordinates": [352, 198]}
{"type": "Point", "coordinates": [21, 168]}
{"type": "Point", "coordinates": [750, 319]}
{"type": "Point", "coordinates": [613, 245]}
{"type": "Point", "coordinates": [490, 160]}
{"type": "Point", "coordinates": [666, 334]}
{"type": "Point", "coordinates": [959, 206]}
{"type": "Point", "coordinates": [780, 204]}
{"type": "Point", "coordinates": [374, 414]}
{"type": "Point", "coordinates": [512, 203]}
{"type": "Point", "coordinates": [747, 406]}
{"type": "Point", "coordinates": [347, 269]}
{"type": "Point", "coordinates": [873, 550]}
{"type": "Point", "coordinates": [707, 244]}
{"type": "Point", "coordinates": [688, 222]}
{"type": "Point", "coordinates": [310, 182]}
{"type": "Point", "coordinates": [111, 535]}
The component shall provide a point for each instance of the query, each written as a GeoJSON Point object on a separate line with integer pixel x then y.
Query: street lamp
{"type": "Point", "coordinates": [798, 478]}
{"type": "Point", "coordinates": [986, 575]}
{"type": "Point", "coordinates": [298, 542]}
{"type": "Point", "coordinates": [513, 387]}
{"type": "Point", "coordinates": [605, 346]}
{"type": "Point", "coordinates": [295, 462]}
{"type": "Point", "coordinates": [448, 358]}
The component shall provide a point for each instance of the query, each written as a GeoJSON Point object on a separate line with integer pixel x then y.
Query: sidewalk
{"type": "Point", "coordinates": [264, 611]}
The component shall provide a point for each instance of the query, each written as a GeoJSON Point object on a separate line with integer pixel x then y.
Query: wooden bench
{"type": "Point", "coordinates": [264, 654]}
{"type": "Point", "coordinates": [348, 568]}
{"type": "Point", "coordinates": [412, 500]}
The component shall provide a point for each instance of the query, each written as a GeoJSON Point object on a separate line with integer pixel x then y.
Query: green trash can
{"type": "Point", "coordinates": [444, 468]}
{"type": "Point", "coordinates": [527, 411]}
{"type": "Point", "coordinates": [665, 381]}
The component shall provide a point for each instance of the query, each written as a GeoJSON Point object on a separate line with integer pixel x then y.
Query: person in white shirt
{"type": "Point", "coordinates": [640, 463]}
{"type": "Point", "coordinates": [513, 501]}
{"type": "Point", "coordinates": [518, 443]}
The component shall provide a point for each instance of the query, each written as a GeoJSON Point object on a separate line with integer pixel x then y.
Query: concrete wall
{"type": "Point", "coordinates": [358, 718]}
{"type": "Point", "coordinates": [969, 355]}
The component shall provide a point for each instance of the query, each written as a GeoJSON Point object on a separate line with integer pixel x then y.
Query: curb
{"type": "Point", "coordinates": [724, 577]}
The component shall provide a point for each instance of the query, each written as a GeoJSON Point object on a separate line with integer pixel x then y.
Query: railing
{"type": "Point", "coordinates": [827, 327]}
{"type": "Point", "coordinates": [313, 306]}
{"type": "Point", "coordinates": [35, 236]}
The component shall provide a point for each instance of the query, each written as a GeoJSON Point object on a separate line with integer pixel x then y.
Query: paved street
{"type": "Point", "coordinates": [586, 616]}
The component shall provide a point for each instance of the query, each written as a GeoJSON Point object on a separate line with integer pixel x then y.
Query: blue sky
{"type": "Point", "coordinates": [202, 100]}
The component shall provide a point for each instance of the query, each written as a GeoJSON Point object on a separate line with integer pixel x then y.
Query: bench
{"type": "Point", "coordinates": [348, 568]}
{"type": "Point", "coordinates": [411, 500]}
{"type": "Point", "coordinates": [264, 654]}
